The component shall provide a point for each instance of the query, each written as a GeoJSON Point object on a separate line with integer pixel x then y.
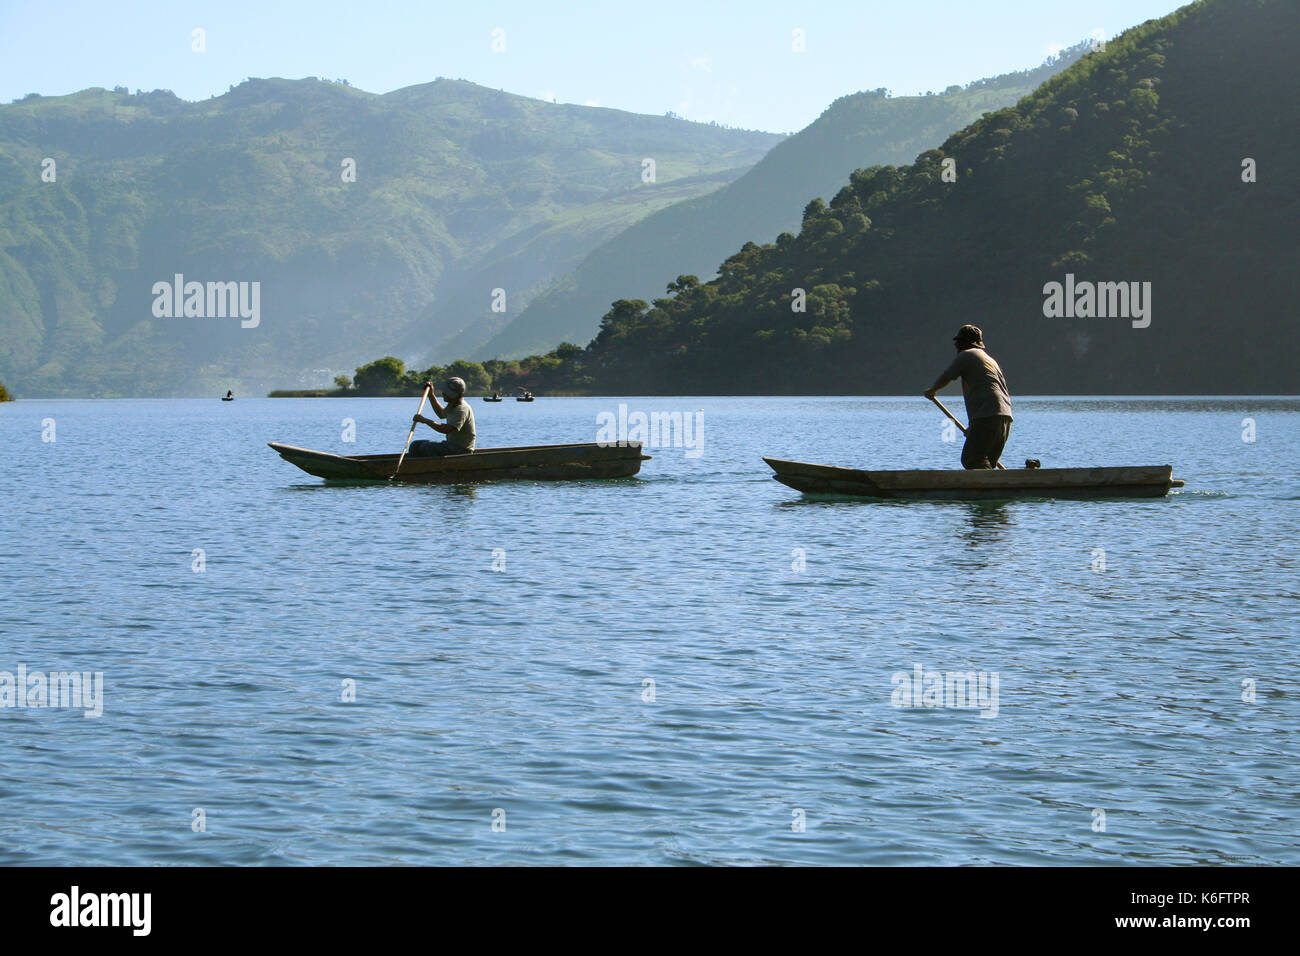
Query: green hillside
{"type": "Point", "coordinates": [863, 129]}
{"type": "Point", "coordinates": [1132, 166]}
{"type": "Point", "coordinates": [458, 190]}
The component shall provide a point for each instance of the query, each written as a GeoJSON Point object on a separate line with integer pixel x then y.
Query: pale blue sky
{"type": "Point", "coordinates": [726, 61]}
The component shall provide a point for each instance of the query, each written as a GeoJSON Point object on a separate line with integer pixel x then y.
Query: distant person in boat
{"type": "Point", "coordinates": [988, 404]}
{"type": "Point", "coordinates": [459, 427]}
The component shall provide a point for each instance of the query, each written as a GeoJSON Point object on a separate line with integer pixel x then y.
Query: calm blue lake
{"type": "Point", "coordinates": [694, 666]}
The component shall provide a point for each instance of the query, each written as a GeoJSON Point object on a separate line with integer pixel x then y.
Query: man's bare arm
{"type": "Point", "coordinates": [939, 383]}
{"type": "Point", "coordinates": [436, 426]}
{"type": "Point", "coordinates": [438, 409]}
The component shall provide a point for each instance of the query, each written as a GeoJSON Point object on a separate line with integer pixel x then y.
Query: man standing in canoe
{"type": "Point", "coordinates": [460, 422]}
{"type": "Point", "coordinates": [988, 405]}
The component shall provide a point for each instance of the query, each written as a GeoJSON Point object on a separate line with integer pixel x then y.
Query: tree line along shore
{"type": "Point", "coordinates": [389, 376]}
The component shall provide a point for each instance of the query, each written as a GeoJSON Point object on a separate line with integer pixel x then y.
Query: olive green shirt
{"type": "Point", "coordinates": [461, 418]}
{"type": "Point", "coordinates": [982, 384]}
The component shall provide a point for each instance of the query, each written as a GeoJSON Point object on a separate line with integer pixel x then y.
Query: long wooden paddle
{"type": "Point", "coordinates": [418, 412]}
{"type": "Point", "coordinates": [944, 409]}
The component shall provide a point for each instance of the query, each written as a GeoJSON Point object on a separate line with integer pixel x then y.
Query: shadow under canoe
{"type": "Point", "coordinates": [1140, 481]}
{"type": "Point", "coordinates": [525, 463]}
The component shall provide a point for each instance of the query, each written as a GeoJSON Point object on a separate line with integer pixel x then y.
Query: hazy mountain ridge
{"type": "Point", "coordinates": [249, 186]}
{"type": "Point", "coordinates": [1162, 163]}
{"type": "Point", "coordinates": [693, 237]}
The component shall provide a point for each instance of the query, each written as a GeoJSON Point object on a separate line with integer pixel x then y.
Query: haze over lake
{"type": "Point", "coordinates": [677, 668]}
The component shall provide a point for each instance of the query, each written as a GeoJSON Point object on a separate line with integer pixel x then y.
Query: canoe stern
{"type": "Point", "coordinates": [1143, 481]}
{"type": "Point", "coordinates": [328, 466]}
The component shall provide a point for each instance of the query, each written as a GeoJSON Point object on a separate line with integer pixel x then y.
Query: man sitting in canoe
{"type": "Point", "coordinates": [460, 422]}
{"type": "Point", "coordinates": [988, 405]}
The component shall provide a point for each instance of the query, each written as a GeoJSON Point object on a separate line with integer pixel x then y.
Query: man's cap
{"type": "Point", "coordinates": [970, 334]}
{"type": "Point", "coordinates": [456, 386]}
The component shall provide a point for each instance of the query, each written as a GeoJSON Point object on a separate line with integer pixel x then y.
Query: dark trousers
{"type": "Point", "coordinates": [433, 449]}
{"type": "Point", "coordinates": [985, 439]}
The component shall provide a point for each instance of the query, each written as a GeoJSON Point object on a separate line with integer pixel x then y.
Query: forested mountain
{"type": "Point", "coordinates": [367, 221]}
{"type": "Point", "coordinates": [1165, 162]}
{"type": "Point", "coordinates": [862, 129]}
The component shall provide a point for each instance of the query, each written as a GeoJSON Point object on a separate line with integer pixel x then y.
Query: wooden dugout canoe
{"type": "Point", "coordinates": [526, 463]}
{"type": "Point", "coordinates": [1142, 481]}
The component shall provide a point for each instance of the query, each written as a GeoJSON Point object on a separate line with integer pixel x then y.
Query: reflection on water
{"type": "Point", "coordinates": [986, 522]}
{"type": "Point", "coordinates": [463, 491]}
{"type": "Point", "coordinates": [467, 492]}
{"type": "Point", "coordinates": [984, 526]}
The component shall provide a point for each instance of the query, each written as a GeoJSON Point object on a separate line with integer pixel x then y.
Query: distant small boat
{"type": "Point", "coordinates": [524, 398]}
{"type": "Point", "coordinates": [489, 398]}
{"type": "Point", "coordinates": [228, 397]}
{"type": "Point", "coordinates": [1142, 481]}
{"type": "Point", "coordinates": [527, 463]}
